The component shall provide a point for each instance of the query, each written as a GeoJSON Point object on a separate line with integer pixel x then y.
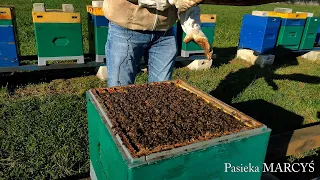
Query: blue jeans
{"type": "Point", "coordinates": [125, 48]}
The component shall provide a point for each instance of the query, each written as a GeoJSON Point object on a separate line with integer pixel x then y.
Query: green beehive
{"type": "Point", "coordinates": [212, 159]}
{"type": "Point", "coordinates": [98, 34]}
{"type": "Point", "coordinates": [208, 23]}
{"type": "Point", "coordinates": [290, 34]}
{"type": "Point", "coordinates": [58, 39]}
{"type": "Point", "coordinates": [310, 33]}
{"type": "Point", "coordinates": [58, 35]}
{"type": "Point", "coordinates": [6, 22]}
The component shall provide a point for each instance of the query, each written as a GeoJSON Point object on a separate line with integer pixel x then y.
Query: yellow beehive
{"type": "Point", "coordinates": [97, 11]}
{"type": "Point", "coordinates": [288, 15]}
{"type": "Point", "coordinates": [208, 18]}
{"type": "Point", "coordinates": [55, 16]}
{"type": "Point", "coordinates": [6, 12]}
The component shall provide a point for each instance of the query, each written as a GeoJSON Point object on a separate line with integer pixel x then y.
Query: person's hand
{"type": "Point", "coordinates": [191, 25]}
{"type": "Point", "coordinates": [199, 38]}
{"type": "Point", "coordinates": [183, 5]}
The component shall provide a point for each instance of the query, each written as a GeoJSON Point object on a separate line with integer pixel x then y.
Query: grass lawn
{"type": "Point", "coordinates": [43, 127]}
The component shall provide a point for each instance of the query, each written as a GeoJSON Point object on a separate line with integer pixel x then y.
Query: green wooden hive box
{"type": "Point", "coordinates": [213, 159]}
{"type": "Point", "coordinates": [98, 36]}
{"type": "Point", "coordinates": [310, 33]}
{"type": "Point", "coordinates": [58, 35]}
{"type": "Point", "coordinates": [290, 34]}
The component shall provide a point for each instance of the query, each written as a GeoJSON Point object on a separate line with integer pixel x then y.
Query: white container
{"type": "Point", "coordinates": [260, 13]}
{"type": "Point", "coordinates": [283, 10]}
{"type": "Point", "coordinates": [97, 4]}
{"type": "Point", "coordinates": [309, 14]}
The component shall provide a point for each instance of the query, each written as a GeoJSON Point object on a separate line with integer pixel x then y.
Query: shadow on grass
{"type": "Point", "coordinates": [277, 118]}
{"type": "Point", "coordinates": [282, 123]}
{"type": "Point", "coordinates": [16, 79]}
{"type": "Point", "coordinates": [307, 175]}
{"type": "Point", "coordinates": [224, 55]}
{"type": "Point", "coordinates": [83, 176]}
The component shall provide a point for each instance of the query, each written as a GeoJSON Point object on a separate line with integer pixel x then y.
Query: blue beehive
{"type": "Point", "coordinates": [176, 35]}
{"type": "Point", "coordinates": [293, 22]}
{"type": "Point", "coordinates": [7, 33]}
{"type": "Point", "coordinates": [8, 47]}
{"type": "Point", "coordinates": [98, 34]}
{"type": "Point", "coordinates": [175, 30]}
{"type": "Point", "coordinates": [259, 33]}
{"type": "Point", "coordinates": [100, 21]}
{"type": "Point", "coordinates": [9, 50]}
{"type": "Point", "coordinates": [318, 36]}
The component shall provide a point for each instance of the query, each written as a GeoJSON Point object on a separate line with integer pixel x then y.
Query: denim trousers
{"type": "Point", "coordinates": [125, 49]}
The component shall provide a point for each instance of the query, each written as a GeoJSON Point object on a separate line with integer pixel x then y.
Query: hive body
{"type": "Point", "coordinates": [9, 45]}
{"type": "Point", "coordinates": [98, 33]}
{"type": "Point", "coordinates": [259, 33]}
{"type": "Point", "coordinates": [310, 33]}
{"type": "Point", "coordinates": [58, 35]}
{"type": "Point", "coordinates": [204, 160]}
{"type": "Point", "coordinates": [290, 34]}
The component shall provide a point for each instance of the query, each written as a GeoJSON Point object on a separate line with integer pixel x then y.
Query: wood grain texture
{"type": "Point", "coordinates": [293, 142]}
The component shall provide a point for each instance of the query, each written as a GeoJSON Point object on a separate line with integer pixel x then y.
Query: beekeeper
{"type": "Point", "coordinates": [145, 26]}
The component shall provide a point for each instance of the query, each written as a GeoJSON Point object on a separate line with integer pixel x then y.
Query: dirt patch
{"type": "Point", "coordinates": [152, 118]}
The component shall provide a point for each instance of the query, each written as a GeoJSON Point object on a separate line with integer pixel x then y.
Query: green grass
{"type": "Point", "coordinates": [41, 148]}
{"type": "Point", "coordinates": [43, 127]}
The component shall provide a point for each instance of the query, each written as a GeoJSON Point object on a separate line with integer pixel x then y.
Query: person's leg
{"type": "Point", "coordinates": [124, 50]}
{"type": "Point", "coordinates": [162, 54]}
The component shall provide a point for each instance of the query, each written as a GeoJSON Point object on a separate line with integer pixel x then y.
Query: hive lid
{"type": "Point", "coordinates": [6, 12]}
